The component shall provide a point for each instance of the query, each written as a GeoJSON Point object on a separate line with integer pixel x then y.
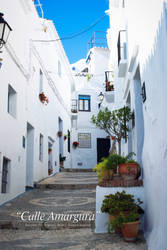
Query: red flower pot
{"type": "Point", "coordinates": [129, 171]}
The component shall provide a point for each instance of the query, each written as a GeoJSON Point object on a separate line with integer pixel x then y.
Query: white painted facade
{"type": "Point", "coordinates": [144, 61]}
{"type": "Point", "coordinates": [31, 67]}
{"type": "Point", "coordinates": [96, 63]}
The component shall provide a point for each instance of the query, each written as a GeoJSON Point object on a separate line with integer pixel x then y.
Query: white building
{"type": "Point", "coordinates": [89, 77]}
{"type": "Point", "coordinates": [137, 39]}
{"type": "Point", "coordinates": [30, 146]}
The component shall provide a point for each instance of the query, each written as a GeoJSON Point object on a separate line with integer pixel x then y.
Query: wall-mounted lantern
{"type": "Point", "coordinates": [4, 30]}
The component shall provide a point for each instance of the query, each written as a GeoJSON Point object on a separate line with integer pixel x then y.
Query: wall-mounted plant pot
{"type": "Point", "coordinates": [49, 150]}
{"type": "Point", "coordinates": [59, 133]}
{"type": "Point", "coordinates": [50, 171]}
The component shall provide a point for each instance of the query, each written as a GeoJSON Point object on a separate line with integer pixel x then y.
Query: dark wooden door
{"type": "Point", "coordinates": [103, 147]}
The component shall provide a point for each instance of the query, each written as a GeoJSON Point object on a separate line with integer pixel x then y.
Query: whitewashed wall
{"type": "Point", "coordinates": [145, 22]}
{"type": "Point", "coordinates": [23, 58]}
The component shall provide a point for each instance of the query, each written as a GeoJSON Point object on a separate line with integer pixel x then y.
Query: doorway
{"type": "Point", "coordinates": [30, 156]}
{"type": "Point", "coordinates": [103, 148]}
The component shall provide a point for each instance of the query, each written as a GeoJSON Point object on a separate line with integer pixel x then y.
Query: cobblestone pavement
{"type": "Point", "coordinates": [35, 234]}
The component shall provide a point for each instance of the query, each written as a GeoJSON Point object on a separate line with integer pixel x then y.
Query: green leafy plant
{"type": "Point", "coordinates": [108, 163]}
{"type": "Point", "coordinates": [115, 123]}
{"type": "Point", "coordinates": [120, 202]}
{"type": "Point", "coordinates": [62, 158]}
{"type": "Point", "coordinates": [119, 220]}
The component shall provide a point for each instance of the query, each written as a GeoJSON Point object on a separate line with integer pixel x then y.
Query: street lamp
{"type": "Point", "coordinates": [4, 30]}
{"type": "Point", "coordinates": [100, 98]}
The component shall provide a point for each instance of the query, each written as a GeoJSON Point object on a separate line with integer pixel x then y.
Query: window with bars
{"type": "Point", "coordinates": [84, 103]}
{"type": "Point", "coordinates": [5, 175]}
{"type": "Point", "coordinates": [84, 140]}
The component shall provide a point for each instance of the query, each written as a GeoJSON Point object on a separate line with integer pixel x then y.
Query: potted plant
{"type": "Point", "coordinates": [43, 98]}
{"type": "Point", "coordinates": [50, 171]}
{"type": "Point", "coordinates": [129, 169]}
{"type": "Point", "coordinates": [74, 110]}
{"type": "Point", "coordinates": [121, 206]}
{"type": "Point", "coordinates": [49, 150]}
{"type": "Point", "coordinates": [59, 133]}
{"type": "Point", "coordinates": [62, 159]}
{"type": "Point", "coordinates": [127, 224]}
{"type": "Point", "coordinates": [75, 144]}
{"type": "Point", "coordinates": [108, 166]}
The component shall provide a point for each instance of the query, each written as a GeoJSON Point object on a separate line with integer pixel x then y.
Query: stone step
{"type": "Point", "coordinates": [76, 170]}
{"type": "Point", "coordinates": [66, 186]}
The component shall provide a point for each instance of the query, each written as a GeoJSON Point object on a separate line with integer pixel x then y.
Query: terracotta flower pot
{"type": "Point", "coordinates": [59, 133]}
{"type": "Point", "coordinates": [129, 171]}
{"type": "Point", "coordinates": [130, 231]}
{"type": "Point", "coordinates": [108, 174]}
{"type": "Point", "coordinates": [117, 230]}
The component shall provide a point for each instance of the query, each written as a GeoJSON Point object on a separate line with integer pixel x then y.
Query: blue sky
{"type": "Point", "coordinates": [71, 16]}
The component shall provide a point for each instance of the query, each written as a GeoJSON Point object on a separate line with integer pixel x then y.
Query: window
{"type": "Point", "coordinates": [84, 103]}
{"type": "Point", "coordinates": [59, 68]}
{"type": "Point", "coordinates": [41, 147]}
{"type": "Point", "coordinates": [11, 101]}
{"type": "Point", "coordinates": [5, 175]}
{"type": "Point", "coordinates": [40, 81]}
{"type": "Point", "coordinates": [123, 3]}
{"type": "Point", "coordinates": [23, 141]}
{"type": "Point", "coordinates": [68, 144]}
{"type": "Point", "coordinates": [74, 105]}
{"type": "Point", "coordinates": [121, 46]}
{"type": "Point", "coordinates": [84, 140]}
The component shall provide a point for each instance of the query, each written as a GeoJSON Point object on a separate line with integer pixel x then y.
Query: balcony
{"type": "Point", "coordinates": [122, 54]}
{"type": "Point", "coordinates": [109, 81]}
{"type": "Point", "coordinates": [109, 86]}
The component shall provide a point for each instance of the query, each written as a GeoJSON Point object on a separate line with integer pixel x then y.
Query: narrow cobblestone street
{"type": "Point", "coordinates": [48, 200]}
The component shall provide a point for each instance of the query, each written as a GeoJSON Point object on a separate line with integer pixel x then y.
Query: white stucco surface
{"type": "Point", "coordinates": [24, 56]}
{"type": "Point", "coordinates": [146, 30]}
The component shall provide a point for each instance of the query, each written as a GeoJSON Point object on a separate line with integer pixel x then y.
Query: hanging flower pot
{"type": "Point", "coordinates": [75, 144]}
{"type": "Point", "coordinates": [49, 150]}
{"type": "Point", "coordinates": [59, 133]}
{"type": "Point", "coordinates": [43, 98]}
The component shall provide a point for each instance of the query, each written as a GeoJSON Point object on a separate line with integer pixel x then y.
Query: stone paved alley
{"type": "Point", "coordinates": [76, 197]}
